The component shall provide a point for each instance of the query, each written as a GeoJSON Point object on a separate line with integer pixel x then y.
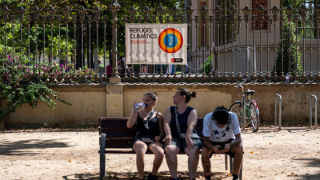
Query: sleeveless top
{"type": "Point", "coordinates": [183, 121]}
{"type": "Point", "coordinates": [154, 127]}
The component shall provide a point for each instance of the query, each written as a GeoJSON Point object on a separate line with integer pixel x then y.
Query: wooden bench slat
{"type": "Point", "coordinates": [122, 122]}
{"type": "Point", "coordinates": [128, 132]}
{"type": "Point", "coordinates": [117, 143]}
{"type": "Point", "coordinates": [130, 151]}
{"type": "Point", "coordinates": [119, 132]}
{"type": "Point", "coordinates": [113, 122]}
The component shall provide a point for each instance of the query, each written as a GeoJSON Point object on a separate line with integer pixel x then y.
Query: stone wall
{"type": "Point", "coordinates": [89, 102]}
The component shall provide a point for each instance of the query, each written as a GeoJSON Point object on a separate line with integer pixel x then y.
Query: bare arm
{"type": "Point", "coordinates": [132, 119]}
{"type": "Point", "coordinates": [166, 121]}
{"type": "Point", "coordinates": [236, 142]}
{"type": "Point", "coordinates": [161, 125]}
{"type": "Point", "coordinates": [133, 116]}
{"type": "Point", "coordinates": [192, 122]}
{"type": "Point", "coordinates": [166, 126]}
{"type": "Point", "coordinates": [207, 143]}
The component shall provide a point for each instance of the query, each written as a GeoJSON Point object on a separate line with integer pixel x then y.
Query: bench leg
{"type": "Point", "coordinates": [226, 161]}
{"type": "Point", "coordinates": [102, 156]}
{"type": "Point", "coordinates": [240, 175]}
{"type": "Point", "coordinates": [231, 163]}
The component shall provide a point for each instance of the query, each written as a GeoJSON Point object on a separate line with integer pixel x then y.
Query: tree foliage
{"type": "Point", "coordinates": [73, 4]}
{"type": "Point", "coordinates": [288, 33]}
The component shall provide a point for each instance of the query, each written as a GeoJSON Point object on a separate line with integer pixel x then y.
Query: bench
{"type": "Point", "coordinates": [114, 138]}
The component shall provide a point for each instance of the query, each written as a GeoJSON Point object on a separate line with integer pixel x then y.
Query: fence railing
{"type": "Point", "coordinates": [265, 45]}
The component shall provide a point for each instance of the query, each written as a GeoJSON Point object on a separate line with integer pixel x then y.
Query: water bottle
{"type": "Point", "coordinates": [287, 78]}
{"type": "Point", "coordinates": [137, 105]}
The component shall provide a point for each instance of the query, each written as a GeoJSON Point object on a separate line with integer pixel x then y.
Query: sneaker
{"type": "Point", "coordinates": [152, 177]}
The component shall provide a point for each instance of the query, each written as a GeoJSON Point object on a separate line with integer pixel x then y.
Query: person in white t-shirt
{"type": "Point", "coordinates": [221, 133]}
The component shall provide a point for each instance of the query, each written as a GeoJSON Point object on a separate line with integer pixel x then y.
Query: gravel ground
{"type": "Point", "coordinates": [292, 153]}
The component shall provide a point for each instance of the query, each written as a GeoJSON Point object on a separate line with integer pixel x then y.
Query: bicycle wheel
{"type": "Point", "coordinates": [236, 108]}
{"type": "Point", "coordinates": [254, 117]}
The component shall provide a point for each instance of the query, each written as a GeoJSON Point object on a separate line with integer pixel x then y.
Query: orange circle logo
{"type": "Point", "coordinates": [170, 40]}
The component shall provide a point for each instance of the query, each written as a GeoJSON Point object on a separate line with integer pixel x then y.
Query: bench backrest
{"type": "Point", "coordinates": [118, 135]}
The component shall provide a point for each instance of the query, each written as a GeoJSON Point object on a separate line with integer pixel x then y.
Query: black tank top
{"type": "Point", "coordinates": [183, 121]}
{"type": "Point", "coordinates": [154, 127]}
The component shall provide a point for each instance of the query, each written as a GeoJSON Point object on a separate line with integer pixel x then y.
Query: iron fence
{"type": "Point", "coordinates": [282, 49]}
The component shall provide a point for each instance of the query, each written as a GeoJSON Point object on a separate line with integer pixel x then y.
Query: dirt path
{"type": "Point", "coordinates": [293, 153]}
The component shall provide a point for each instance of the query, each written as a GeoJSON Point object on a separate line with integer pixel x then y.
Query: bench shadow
{"type": "Point", "coordinates": [315, 163]}
{"type": "Point", "coordinates": [17, 148]}
{"type": "Point", "coordinates": [276, 129]}
{"type": "Point", "coordinates": [111, 175]}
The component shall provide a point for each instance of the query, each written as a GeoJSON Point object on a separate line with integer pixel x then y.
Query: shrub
{"type": "Point", "coordinates": [21, 83]}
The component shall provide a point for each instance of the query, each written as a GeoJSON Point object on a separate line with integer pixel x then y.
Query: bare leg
{"type": "Point", "coordinates": [172, 160]}
{"type": "Point", "coordinates": [193, 160]}
{"type": "Point", "coordinates": [140, 148]}
{"type": "Point", "coordinates": [158, 152]}
{"type": "Point", "coordinates": [238, 155]}
{"type": "Point", "coordinates": [206, 161]}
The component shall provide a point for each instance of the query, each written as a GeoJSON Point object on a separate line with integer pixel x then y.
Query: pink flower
{"type": "Point", "coordinates": [27, 69]}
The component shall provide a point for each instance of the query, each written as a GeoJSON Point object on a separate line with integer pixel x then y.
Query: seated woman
{"type": "Point", "coordinates": [149, 125]}
{"type": "Point", "coordinates": [179, 125]}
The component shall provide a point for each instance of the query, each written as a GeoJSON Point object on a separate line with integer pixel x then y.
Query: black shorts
{"type": "Point", "coordinates": [139, 138]}
{"type": "Point", "coordinates": [222, 145]}
{"type": "Point", "coordinates": [143, 65]}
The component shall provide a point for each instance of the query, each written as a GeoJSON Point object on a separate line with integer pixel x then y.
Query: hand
{"type": "Point", "coordinates": [226, 148]}
{"type": "Point", "coordinates": [216, 149]}
{"type": "Point", "coordinates": [157, 139]}
{"type": "Point", "coordinates": [167, 139]}
{"type": "Point", "coordinates": [189, 142]}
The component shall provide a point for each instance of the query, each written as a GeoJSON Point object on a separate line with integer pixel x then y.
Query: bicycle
{"type": "Point", "coordinates": [252, 110]}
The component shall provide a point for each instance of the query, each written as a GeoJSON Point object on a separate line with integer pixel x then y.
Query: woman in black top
{"type": "Point", "coordinates": [179, 125]}
{"type": "Point", "coordinates": [149, 126]}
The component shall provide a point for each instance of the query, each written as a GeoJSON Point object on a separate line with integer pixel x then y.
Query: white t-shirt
{"type": "Point", "coordinates": [216, 134]}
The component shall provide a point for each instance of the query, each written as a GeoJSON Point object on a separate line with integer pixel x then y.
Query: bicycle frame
{"type": "Point", "coordinates": [246, 109]}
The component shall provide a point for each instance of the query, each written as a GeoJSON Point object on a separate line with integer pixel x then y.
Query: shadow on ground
{"type": "Point", "coordinates": [315, 163]}
{"type": "Point", "coordinates": [17, 148]}
{"type": "Point", "coordinates": [276, 129]}
{"type": "Point", "coordinates": [134, 175]}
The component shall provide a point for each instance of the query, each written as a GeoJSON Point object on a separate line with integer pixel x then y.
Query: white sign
{"type": "Point", "coordinates": [156, 43]}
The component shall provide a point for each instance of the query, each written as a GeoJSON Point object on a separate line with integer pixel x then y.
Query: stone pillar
{"type": "Point", "coordinates": [114, 100]}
